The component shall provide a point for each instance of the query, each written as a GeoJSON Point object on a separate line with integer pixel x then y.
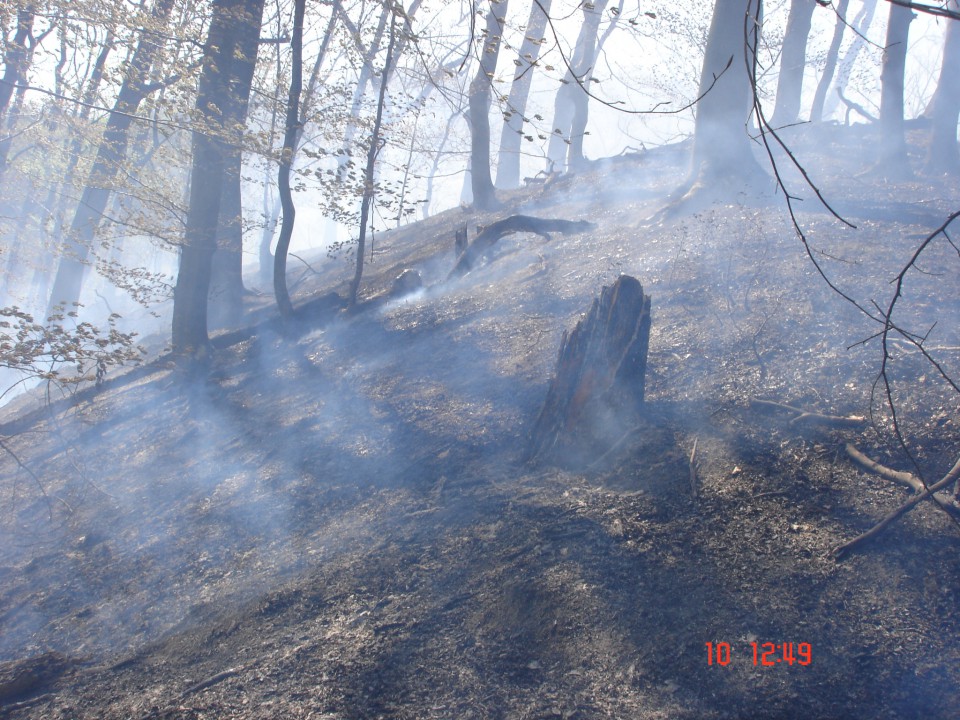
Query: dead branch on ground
{"type": "Point", "coordinates": [904, 478]}
{"type": "Point", "coordinates": [840, 551]}
{"type": "Point", "coordinates": [693, 470]}
{"type": "Point", "coordinates": [513, 224]}
{"type": "Point", "coordinates": [809, 416]}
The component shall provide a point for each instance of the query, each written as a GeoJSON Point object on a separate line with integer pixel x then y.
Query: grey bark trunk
{"type": "Point", "coordinates": [511, 138]}
{"type": "Point", "coordinates": [722, 151]}
{"type": "Point", "coordinates": [793, 62]}
{"type": "Point", "coordinates": [481, 181]}
{"type": "Point", "coordinates": [893, 143]}
{"type": "Point", "coordinates": [189, 332]}
{"type": "Point", "coordinates": [943, 154]}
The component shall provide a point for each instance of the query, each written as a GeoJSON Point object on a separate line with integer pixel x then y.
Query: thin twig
{"type": "Point", "coordinates": [693, 470]}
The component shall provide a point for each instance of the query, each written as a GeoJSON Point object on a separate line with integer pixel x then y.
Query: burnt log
{"type": "Point", "coordinates": [489, 236]}
{"type": "Point", "coordinates": [597, 392]}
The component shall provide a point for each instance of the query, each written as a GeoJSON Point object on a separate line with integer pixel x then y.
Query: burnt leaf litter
{"type": "Point", "coordinates": [336, 522]}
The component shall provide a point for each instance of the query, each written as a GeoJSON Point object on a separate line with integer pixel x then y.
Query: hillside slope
{"type": "Point", "coordinates": [336, 523]}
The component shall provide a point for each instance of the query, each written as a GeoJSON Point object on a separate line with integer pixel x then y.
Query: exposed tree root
{"type": "Point", "coordinates": [841, 551]}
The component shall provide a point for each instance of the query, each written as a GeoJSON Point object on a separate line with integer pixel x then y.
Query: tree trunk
{"type": "Point", "coordinates": [571, 99]}
{"type": "Point", "coordinates": [15, 71]}
{"type": "Point", "coordinates": [271, 210]}
{"type": "Point", "coordinates": [286, 161]}
{"type": "Point", "coordinates": [597, 392]}
{"type": "Point", "coordinates": [820, 96]}
{"type": "Point", "coordinates": [581, 101]}
{"type": "Point", "coordinates": [190, 294]}
{"type": "Point", "coordinates": [106, 165]}
{"type": "Point", "coordinates": [793, 62]}
{"type": "Point", "coordinates": [893, 143]}
{"type": "Point", "coordinates": [371, 161]}
{"type": "Point", "coordinates": [227, 280]}
{"type": "Point", "coordinates": [484, 197]}
{"type": "Point", "coordinates": [722, 152]}
{"type": "Point", "coordinates": [944, 157]}
{"type": "Point", "coordinates": [511, 138]}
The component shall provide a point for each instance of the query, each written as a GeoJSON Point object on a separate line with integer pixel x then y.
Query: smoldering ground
{"type": "Point", "coordinates": [339, 516]}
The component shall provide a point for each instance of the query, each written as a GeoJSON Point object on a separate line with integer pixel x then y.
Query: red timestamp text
{"type": "Point", "coordinates": [766, 654]}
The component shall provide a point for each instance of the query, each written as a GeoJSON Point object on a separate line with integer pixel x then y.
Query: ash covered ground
{"type": "Point", "coordinates": [336, 522]}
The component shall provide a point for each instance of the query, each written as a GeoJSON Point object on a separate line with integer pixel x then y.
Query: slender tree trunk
{"type": "Point", "coordinates": [106, 165]}
{"type": "Point", "coordinates": [893, 143]}
{"type": "Point", "coordinates": [371, 163]}
{"type": "Point", "coordinates": [479, 94]}
{"type": "Point", "coordinates": [511, 138]}
{"type": "Point", "coordinates": [820, 96]}
{"type": "Point", "coordinates": [189, 334]}
{"type": "Point", "coordinates": [793, 62]}
{"type": "Point", "coordinates": [272, 210]}
{"type": "Point", "coordinates": [594, 46]}
{"type": "Point", "coordinates": [861, 26]}
{"type": "Point", "coordinates": [943, 157]}
{"type": "Point", "coordinates": [15, 71]}
{"type": "Point", "coordinates": [226, 302]}
{"type": "Point", "coordinates": [286, 161]}
{"type": "Point", "coordinates": [722, 152]}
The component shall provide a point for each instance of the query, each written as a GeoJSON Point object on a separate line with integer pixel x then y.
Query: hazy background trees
{"type": "Point", "coordinates": [118, 126]}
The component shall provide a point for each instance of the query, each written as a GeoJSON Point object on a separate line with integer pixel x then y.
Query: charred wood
{"type": "Point", "coordinates": [598, 388]}
{"type": "Point", "coordinates": [491, 234]}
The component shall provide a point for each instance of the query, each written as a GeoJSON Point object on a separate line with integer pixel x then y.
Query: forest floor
{"type": "Point", "coordinates": [336, 522]}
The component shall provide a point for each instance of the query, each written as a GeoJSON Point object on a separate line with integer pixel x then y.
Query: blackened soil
{"type": "Point", "coordinates": [336, 524]}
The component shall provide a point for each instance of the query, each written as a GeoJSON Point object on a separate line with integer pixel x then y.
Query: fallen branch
{"type": "Point", "coordinates": [803, 416]}
{"type": "Point", "coordinates": [513, 224]}
{"type": "Point", "coordinates": [841, 550]}
{"type": "Point", "coordinates": [210, 682]}
{"type": "Point", "coordinates": [905, 478]}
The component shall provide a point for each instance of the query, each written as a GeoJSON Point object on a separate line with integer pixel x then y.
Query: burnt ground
{"type": "Point", "coordinates": [336, 522]}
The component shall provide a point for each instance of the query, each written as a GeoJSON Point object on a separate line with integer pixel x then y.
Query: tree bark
{"type": "Point", "coordinates": [371, 163]}
{"type": "Point", "coordinates": [189, 335]}
{"type": "Point", "coordinates": [286, 161]}
{"type": "Point", "coordinates": [833, 52]}
{"type": "Point", "coordinates": [484, 196]}
{"type": "Point", "coordinates": [793, 62]}
{"type": "Point", "coordinates": [598, 389]}
{"type": "Point", "coordinates": [581, 100]}
{"type": "Point", "coordinates": [893, 143]}
{"type": "Point", "coordinates": [110, 155]}
{"type": "Point", "coordinates": [227, 290]}
{"type": "Point", "coordinates": [943, 157]}
{"type": "Point", "coordinates": [722, 152]}
{"type": "Point", "coordinates": [511, 138]}
{"type": "Point", "coordinates": [18, 58]}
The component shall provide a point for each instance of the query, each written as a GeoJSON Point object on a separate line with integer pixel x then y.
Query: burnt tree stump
{"type": "Point", "coordinates": [597, 392]}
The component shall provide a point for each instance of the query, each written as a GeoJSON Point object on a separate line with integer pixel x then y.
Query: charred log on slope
{"type": "Point", "coordinates": [513, 224]}
{"type": "Point", "coordinates": [597, 392]}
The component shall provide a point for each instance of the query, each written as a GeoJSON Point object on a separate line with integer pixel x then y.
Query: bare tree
{"type": "Point", "coordinates": [943, 156]}
{"type": "Point", "coordinates": [723, 159]}
{"type": "Point", "coordinates": [110, 155]}
{"type": "Point", "coordinates": [479, 95]}
{"type": "Point", "coordinates": [189, 334]}
{"type": "Point", "coordinates": [286, 161]}
{"type": "Point", "coordinates": [893, 142]}
{"type": "Point", "coordinates": [571, 98]}
{"type": "Point", "coordinates": [511, 139]}
{"type": "Point", "coordinates": [793, 62]}
{"type": "Point", "coordinates": [372, 151]}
